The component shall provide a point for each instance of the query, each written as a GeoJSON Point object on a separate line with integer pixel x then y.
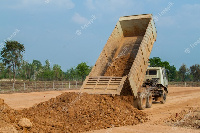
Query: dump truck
{"type": "Point", "coordinates": [123, 62]}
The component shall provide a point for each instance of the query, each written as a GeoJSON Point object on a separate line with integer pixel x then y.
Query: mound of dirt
{"type": "Point", "coordinates": [8, 129]}
{"type": "Point", "coordinates": [73, 112]}
{"type": "Point", "coordinates": [189, 118]}
{"type": "Point", "coordinates": [6, 118]}
{"type": "Point", "coordinates": [5, 113]}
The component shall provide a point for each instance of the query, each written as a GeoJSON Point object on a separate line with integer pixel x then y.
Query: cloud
{"type": "Point", "coordinates": [119, 3]}
{"type": "Point", "coordinates": [64, 3]}
{"type": "Point", "coordinates": [108, 5]}
{"type": "Point", "coordinates": [171, 16]}
{"type": "Point", "coordinates": [31, 3]}
{"type": "Point", "coordinates": [77, 18]}
{"type": "Point", "coordinates": [90, 4]}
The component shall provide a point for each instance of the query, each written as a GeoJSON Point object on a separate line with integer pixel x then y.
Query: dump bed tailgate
{"type": "Point", "coordinates": [103, 85]}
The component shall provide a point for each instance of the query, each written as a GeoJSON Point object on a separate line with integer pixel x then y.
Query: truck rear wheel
{"type": "Point", "coordinates": [142, 100]}
{"type": "Point", "coordinates": [163, 97]}
{"type": "Point", "coordinates": [149, 100]}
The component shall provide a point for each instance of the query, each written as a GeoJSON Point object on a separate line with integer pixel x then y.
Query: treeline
{"type": "Point", "coordinates": [12, 66]}
{"type": "Point", "coordinates": [37, 71]}
{"type": "Point", "coordinates": [182, 74]}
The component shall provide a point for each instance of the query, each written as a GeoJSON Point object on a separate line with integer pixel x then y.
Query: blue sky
{"type": "Point", "coordinates": [54, 29]}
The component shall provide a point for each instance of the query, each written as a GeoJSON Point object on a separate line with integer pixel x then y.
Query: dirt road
{"type": "Point", "coordinates": [179, 98]}
{"type": "Point", "coordinates": [26, 100]}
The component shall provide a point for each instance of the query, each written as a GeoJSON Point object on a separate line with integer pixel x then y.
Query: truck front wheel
{"type": "Point", "coordinates": [142, 100]}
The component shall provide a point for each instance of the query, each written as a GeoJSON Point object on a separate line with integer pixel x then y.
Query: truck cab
{"type": "Point", "coordinates": [156, 83]}
{"type": "Point", "coordinates": [156, 76]}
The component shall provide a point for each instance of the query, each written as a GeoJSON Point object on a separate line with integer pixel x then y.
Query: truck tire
{"type": "Point", "coordinates": [149, 100]}
{"type": "Point", "coordinates": [142, 100]}
{"type": "Point", "coordinates": [163, 97]}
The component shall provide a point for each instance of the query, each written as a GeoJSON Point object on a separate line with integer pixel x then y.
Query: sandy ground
{"type": "Point", "coordinates": [179, 98]}
{"type": "Point", "coordinates": [25, 100]}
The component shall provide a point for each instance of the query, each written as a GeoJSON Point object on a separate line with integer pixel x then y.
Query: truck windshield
{"type": "Point", "coordinates": [152, 72]}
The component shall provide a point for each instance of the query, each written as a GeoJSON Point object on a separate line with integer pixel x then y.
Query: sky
{"type": "Point", "coordinates": [68, 32]}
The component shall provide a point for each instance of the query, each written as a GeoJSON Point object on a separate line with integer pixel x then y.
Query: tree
{"type": "Point", "coordinates": [182, 72]}
{"type": "Point", "coordinates": [46, 73]}
{"type": "Point", "coordinates": [2, 70]}
{"type": "Point", "coordinates": [25, 70]}
{"type": "Point", "coordinates": [47, 65]}
{"type": "Point", "coordinates": [195, 72]}
{"type": "Point", "coordinates": [166, 65]}
{"type": "Point", "coordinates": [57, 72]}
{"type": "Point", "coordinates": [156, 62]}
{"type": "Point", "coordinates": [12, 54]}
{"type": "Point", "coordinates": [83, 70]}
{"type": "Point", "coordinates": [36, 68]}
{"type": "Point", "coordinates": [37, 64]}
{"type": "Point", "coordinates": [71, 74]}
{"type": "Point", "coordinates": [172, 73]}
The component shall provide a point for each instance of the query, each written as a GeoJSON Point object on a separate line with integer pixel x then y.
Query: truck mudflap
{"type": "Point", "coordinates": [103, 85]}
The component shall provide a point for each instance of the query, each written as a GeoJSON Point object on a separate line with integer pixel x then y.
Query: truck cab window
{"type": "Point", "coordinates": [152, 72]}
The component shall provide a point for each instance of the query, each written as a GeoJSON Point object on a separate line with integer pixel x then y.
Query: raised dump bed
{"type": "Point", "coordinates": [123, 61]}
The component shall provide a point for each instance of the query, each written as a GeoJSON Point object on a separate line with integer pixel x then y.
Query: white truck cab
{"type": "Point", "coordinates": [157, 75]}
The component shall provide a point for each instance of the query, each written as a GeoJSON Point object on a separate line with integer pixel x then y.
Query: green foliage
{"type": "Point", "coordinates": [172, 73]}
{"type": "Point", "coordinates": [35, 71]}
{"type": "Point", "coordinates": [71, 74]}
{"type": "Point", "coordinates": [79, 72]}
{"type": "Point", "coordinates": [195, 72]}
{"type": "Point", "coordinates": [47, 73]}
{"type": "Point", "coordinates": [24, 70]}
{"type": "Point", "coordinates": [57, 72]}
{"type": "Point", "coordinates": [47, 65]}
{"type": "Point", "coordinates": [83, 70]}
{"type": "Point", "coordinates": [12, 54]}
{"type": "Point", "coordinates": [36, 68]}
{"type": "Point", "coordinates": [37, 65]}
{"type": "Point", "coordinates": [2, 70]}
{"type": "Point", "coordinates": [182, 72]}
{"type": "Point", "coordinates": [156, 62]}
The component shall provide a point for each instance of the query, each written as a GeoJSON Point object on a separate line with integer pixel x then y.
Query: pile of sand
{"type": "Point", "coordinates": [7, 118]}
{"type": "Point", "coordinates": [73, 112]}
